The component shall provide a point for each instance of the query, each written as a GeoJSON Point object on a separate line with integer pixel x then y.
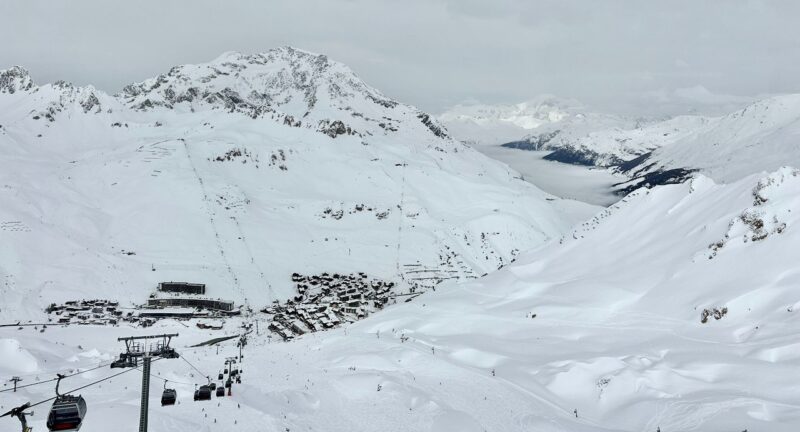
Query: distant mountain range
{"type": "Point", "coordinates": [760, 137]}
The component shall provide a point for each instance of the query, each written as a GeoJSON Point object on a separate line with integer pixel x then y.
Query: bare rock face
{"type": "Point", "coordinates": [436, 128]}
{"type": "Point", "coordinates": [334, 128]}
{"type": "Point", "coordinates": [15, 79]}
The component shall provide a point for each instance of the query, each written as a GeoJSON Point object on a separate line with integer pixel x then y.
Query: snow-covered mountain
{"type": "Point", "coordinates": [675, 309]}
{"type": "Point", "coordinates": [481, 124]}
{"type": "Point", "coordinates": [604, 141]}
{"type": "Point", "coordinates": [237, 173]}
{"type": "Point", "coordinates": [568, 129]}
{"type": "Point", "coordinates": [760, 137]}
{"type": "Point", "coordinates": [298, 88]}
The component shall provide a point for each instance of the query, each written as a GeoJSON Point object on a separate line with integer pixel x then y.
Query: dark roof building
{"type": "Point", "coordinates": [182, 287]}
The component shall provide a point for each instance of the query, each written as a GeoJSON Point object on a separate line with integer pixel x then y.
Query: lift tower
{"type": "Point", "coordinates": [145, 348]}
{"type": "Point", "coordinates": [15, 380]}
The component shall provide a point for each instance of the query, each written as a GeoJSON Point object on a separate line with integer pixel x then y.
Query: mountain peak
{"type": "Point", "coordinates": [290, 86]}
{"type": "Point", "coordinates": [286, 80]}
{"type": "Point", "coordinates": [286, 53]}
{"type": "Point", "coordinates": [14, 79]}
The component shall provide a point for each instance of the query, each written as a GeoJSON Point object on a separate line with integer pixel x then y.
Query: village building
{"type": "Point", "coordinates": [182, 288]}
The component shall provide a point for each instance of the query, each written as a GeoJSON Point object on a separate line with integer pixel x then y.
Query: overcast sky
{"type": "Point", "coordinates": [633, 56]}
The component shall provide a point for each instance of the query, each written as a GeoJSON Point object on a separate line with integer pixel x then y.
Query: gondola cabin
{"type": "Point", "coordinates": [220, 391]}
{"type": "Point", "coordinates": [66, 414]}
{"type": "Point", "coordinates": [168, 397]}
{"type": "Point", "coordinates": [203, 393]}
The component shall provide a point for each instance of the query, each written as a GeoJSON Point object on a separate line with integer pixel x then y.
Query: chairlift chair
{"type": "Point", "coordinates": [67, 412]}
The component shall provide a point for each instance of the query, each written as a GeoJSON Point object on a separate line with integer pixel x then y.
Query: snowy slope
{"type": "Point", "coordinates": [762, 136]}
{"type": "Point", "coordinates": [238, 173]}
{"type": "Point", "coordinates": [601, 330]}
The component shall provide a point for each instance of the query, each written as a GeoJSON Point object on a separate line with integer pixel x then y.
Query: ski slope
{"type": "Point", "coordinates": [605, 323]}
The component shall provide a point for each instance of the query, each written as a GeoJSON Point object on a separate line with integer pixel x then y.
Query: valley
{"type": "Point", "coordinates": [586, 184]}
{"type": "Point", "coordinates": [370, 268]}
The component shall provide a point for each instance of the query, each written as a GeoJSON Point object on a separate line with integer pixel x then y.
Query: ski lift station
{"type": "Point", "coordinates": [182, 288]}
{"type": "Point", "coordinates": [186, 295]}
{"type": "Point", "coordinates": [220, 305]}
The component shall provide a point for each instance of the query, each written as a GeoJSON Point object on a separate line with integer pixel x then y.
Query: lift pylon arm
{"type": "Point", "coordinates": [19, 412]}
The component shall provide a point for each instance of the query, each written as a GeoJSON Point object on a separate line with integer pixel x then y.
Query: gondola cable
{"type": "Point", "coordinates": [67, 411]}
{"type": "Point", "coordinates": [106, 363]}
{"type": "Point", "coordinates": [168, 380]}
{"type": "Point", "coordinates": [208, 377]}
{"type": "Point", "coordinates": [102, 365]}
{"type": "Point", "coordinates": [83, 387]}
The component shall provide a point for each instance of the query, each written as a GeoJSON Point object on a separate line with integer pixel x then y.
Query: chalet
{"type": "Point", "coordinates": [298, 327]}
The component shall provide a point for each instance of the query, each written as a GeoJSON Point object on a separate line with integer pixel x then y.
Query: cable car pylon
{"type": "Point", "coordinates": [135, 350]}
